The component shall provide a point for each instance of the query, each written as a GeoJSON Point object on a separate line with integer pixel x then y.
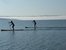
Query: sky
{"type": "Point", "coordinates": [32, 7]}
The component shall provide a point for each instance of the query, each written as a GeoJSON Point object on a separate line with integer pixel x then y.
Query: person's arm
{"type": "Point", "coordinates": [10, 23]}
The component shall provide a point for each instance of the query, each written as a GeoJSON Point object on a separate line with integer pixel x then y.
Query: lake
{"type": "Point", "coordinates": [35, 39]}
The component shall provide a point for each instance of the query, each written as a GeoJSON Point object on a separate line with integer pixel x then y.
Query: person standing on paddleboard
{"type": "Point", "coordinates": [12, 25]}
{"type": "Point", "coordinates": [34, 24]}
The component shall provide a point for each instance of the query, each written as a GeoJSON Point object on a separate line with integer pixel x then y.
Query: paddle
{"type": "Point", "coordinates": [29, 27]}
{"type": "Point", "coordinates": [26, 27]}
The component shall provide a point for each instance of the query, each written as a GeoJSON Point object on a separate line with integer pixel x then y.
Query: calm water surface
{"type": "Point", "coordinates": [33, 40]}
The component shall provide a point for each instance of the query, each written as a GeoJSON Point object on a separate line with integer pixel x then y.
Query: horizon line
{"type": "Point", "coordinates": [33, 16]}
{"type": "Point", "coordinates": [37, 18]}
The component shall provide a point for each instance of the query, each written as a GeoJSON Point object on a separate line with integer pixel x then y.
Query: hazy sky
{"type": "Point", "coordinates": [32, 7]}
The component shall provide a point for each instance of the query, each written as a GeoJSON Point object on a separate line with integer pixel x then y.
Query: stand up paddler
{"type": "Point", "coordinates": [12, 25]}
{"type": "Point", "coordinates": [34, 24]}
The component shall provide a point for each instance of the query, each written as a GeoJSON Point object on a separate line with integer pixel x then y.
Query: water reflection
{"type": "Point", "coordinates": [12, 40]}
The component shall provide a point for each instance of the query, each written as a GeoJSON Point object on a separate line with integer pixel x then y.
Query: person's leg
{"type": "Point", "coordinates": [34, 27]}
{"type": "Point", "coordinates": [13, 28]}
